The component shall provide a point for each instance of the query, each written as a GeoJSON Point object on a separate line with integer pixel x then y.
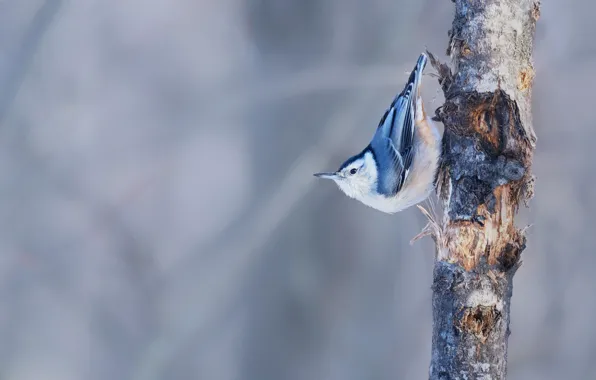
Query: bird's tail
{"type": "Point", "coordinates": [420, 65]}
{"type": "Point", "coordinates": [415, 79]}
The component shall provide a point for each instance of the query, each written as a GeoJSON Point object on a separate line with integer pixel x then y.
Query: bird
{"type": "Point", "coordinates": [398, 168]}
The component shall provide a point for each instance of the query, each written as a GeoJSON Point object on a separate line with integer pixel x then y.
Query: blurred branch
{"type": "Point", "coordinates": [488, 146]}
{"type": "Point", "coordinates": [301, 84]}
{"type": "Point", "coordinates": [332, 77]}
{"type": "Point", "coordinates": [294, 186]}
{"type": "Point", "coordinates": [237, 256]}
{"type": "Point", "coordinates": [109, 229]}
{"type": "Point", "coordinates": [38, 27]}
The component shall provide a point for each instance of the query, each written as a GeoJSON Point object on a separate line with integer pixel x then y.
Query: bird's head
{"type": "Point", "coordinates": [357, 177]}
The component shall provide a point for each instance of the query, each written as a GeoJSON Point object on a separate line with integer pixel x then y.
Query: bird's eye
{"type": "Point", "coordinates": [353, 171]}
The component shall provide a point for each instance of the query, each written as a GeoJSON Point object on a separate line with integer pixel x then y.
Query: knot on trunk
{"type": "Point", "coordinates": [479, 321]}
{"type": "Point", "coordinates": [485, 147]}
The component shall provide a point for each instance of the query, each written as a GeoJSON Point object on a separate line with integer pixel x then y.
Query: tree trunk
{"type": "Point", "coordinates": [485, 173]}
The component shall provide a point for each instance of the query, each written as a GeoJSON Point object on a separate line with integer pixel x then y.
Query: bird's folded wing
{"type": "Point", "coordinates": [390, 166]}
{"type": "Point", "coordinates": [398, 123]}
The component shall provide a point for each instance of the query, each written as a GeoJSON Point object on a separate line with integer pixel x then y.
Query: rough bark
{"type": "Point", "coordinates": [485, 173]}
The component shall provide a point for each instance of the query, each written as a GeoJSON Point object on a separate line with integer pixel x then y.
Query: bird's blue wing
{"type": "Point", "coordinates": [390, 165]}
{"type": "Point", "coordinates": [398, 123]}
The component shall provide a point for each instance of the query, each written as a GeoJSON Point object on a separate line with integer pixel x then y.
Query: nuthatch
{"type": "Point", "coordinates": [397, 169]}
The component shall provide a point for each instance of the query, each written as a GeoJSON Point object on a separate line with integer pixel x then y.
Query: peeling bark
{"type": "Point", "coordinates": [488, 145]}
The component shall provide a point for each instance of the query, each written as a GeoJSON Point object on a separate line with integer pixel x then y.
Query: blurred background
{"type": "Point", "coordinates": [158, 215]}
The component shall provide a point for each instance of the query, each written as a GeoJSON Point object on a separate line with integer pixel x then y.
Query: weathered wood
{"type": "Point", "coordinates": [485, 173]}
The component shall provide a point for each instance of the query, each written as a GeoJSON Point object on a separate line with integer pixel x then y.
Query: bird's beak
{"type": "Point", "coordinates": [327, 175]}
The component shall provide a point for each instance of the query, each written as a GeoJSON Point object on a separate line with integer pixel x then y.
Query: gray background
{"type": "Point", "coordinates": [158, 215]}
